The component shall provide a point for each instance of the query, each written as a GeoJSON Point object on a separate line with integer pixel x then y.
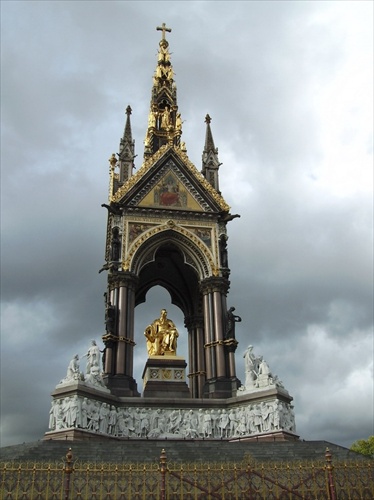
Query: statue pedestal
{"type": "Point", "coordinates": [165, 376]}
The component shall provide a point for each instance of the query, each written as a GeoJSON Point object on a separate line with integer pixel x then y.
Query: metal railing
{"type": "Point", "coordinates": [166, 480]}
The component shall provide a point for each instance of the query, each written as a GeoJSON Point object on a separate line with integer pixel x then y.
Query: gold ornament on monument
{"type": "Point", "coordinates": [162, 336]}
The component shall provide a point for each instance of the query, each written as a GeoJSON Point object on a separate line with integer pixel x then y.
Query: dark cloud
{"type": "Point", "coordinates": [288, 89]}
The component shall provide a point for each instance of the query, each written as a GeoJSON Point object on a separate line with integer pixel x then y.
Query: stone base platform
{"type": "Point", "coordinates": [167, 412]}
{"type": "Point", "coordinates": [76, 435]}
{"type": "Point", "coordinates": [135, 450]}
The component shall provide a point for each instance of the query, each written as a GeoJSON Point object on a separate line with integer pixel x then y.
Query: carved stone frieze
{"type": "Point", "coordinates": [242, 420]}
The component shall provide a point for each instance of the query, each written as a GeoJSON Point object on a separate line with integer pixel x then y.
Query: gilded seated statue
{"type": "Point", "coordinates": [161, 336]}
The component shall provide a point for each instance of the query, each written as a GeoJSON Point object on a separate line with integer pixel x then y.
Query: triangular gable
{"type": "Point", "coordinates": [169, 180]}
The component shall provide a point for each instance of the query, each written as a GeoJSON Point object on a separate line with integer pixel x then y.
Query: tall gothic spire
{"type": "Point", "coordinates": [126, 150]}
{"type": "Point", "coordinates": [164, 121]}
{"type": "Point", "coordinates": [210, 163]}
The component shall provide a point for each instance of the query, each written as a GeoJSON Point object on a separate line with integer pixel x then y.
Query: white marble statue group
{"type": "Point", "coordinates": [92, 376]}
{"type": "Point", "coordinates": [257, 373]}
{"type": "Point", "coordinates": [99, 417]}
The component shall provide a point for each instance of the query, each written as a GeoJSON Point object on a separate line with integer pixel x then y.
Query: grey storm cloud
{"type": "Point", "coordinates": [289, 89]}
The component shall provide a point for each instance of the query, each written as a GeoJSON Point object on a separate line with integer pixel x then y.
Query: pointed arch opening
{"type": "Point", "coordinates": [169, 269]}
{"type": "Point", "coordinates": [173, 242]}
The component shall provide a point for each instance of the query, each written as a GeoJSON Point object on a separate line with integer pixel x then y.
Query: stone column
{"type": "Point", "coordinates": [130, 331]}
{"type": "Point", "coordinates": [188, 323]}
{"type": "Point", "coordinates": [108, 366]}
{"type": "Point", "coordinates": [209, 362]}
{"type": "Point", "coordinates": [218, 331]}
{"type": "Point", "coordinates": [201, 370]}
{"type": "Point", "coordinates": [122, 329]}
{"type": "Point", "coordinates": [217, 384]}
{"type": "Point", "coordinates": [110, 339]}
{"type": "Point", "coordinates": [121, 342]}
{"type": "Point", "coordinates": [196, 355]}
{"type": "Point", "coordinates": [231, 347]}
{"type": "Point", "coordinates": [126, 310]}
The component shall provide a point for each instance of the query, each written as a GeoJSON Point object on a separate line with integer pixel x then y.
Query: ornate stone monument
{"type": "Point", "coordinates": [167, 226]}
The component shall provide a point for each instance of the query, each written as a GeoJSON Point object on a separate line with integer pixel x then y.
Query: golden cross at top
{"type": "Point", "coordinates": [163, 28]}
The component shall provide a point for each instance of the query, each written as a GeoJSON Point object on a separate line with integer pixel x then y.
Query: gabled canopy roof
{"type": "Point", "coordinates": [168, 179]}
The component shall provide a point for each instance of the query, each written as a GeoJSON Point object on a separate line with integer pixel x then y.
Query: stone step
{"type": "Point", "coordinates": [134, 450]}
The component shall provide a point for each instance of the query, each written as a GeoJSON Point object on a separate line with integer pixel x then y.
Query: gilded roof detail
{"type": "Point", "coordinates": [121, 192]}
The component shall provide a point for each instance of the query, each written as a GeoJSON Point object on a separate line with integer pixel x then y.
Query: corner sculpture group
{"type": "Point", "coordinates": [92, 376]}
{"type": "Point", "coordinates": [257, 373]}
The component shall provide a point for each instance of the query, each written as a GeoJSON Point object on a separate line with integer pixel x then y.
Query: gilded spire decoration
{"type": "Point", "coordinates": [164, 120]}
{"type": "Point", "coordinates": [210, 163]}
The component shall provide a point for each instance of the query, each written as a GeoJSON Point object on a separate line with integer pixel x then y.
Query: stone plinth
{"type": "Point", "coordinates": [80, 411]}
{"type": "Point", "coordinates": [165, 376]}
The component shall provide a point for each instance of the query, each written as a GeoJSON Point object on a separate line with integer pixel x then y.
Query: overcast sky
{"type": "Point", "coordinates": [289, 88]}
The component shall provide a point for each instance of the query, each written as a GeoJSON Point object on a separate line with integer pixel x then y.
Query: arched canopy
{"type": "Point", "coordinates": [193, 251]}
{"type": "Point", "coordinates": [173, 261]}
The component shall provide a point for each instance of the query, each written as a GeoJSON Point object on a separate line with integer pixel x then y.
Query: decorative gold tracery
{"type": "Point", "coordinates": [205, 259]}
